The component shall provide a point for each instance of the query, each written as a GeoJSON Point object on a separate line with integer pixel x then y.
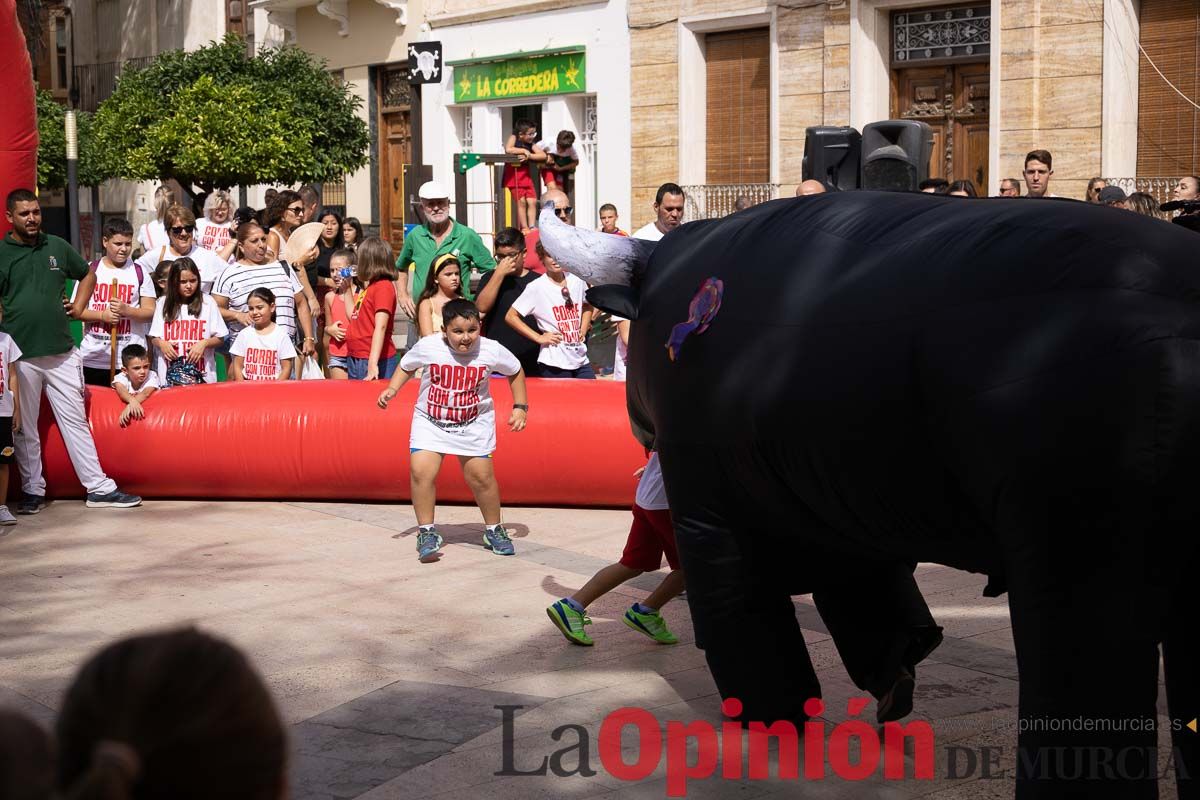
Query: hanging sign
{"type": "Point", "coordinates": [520, 77]}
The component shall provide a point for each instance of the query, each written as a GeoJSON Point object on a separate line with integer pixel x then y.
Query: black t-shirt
{"type": "Point", "coordinates": [494, 326]}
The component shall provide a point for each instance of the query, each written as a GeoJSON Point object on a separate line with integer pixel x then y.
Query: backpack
{"type": "Point", "coordinates": [141, 276]}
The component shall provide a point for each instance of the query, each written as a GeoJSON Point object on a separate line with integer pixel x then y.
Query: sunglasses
{"type": "Point", "coordinates": [180, 230]}
{"type": "Point", "coordinates": [567, 298]}
{"type": "Point", "coordinates": [564, 212]}
{"type": "Point", "coordinates": [297, 210]}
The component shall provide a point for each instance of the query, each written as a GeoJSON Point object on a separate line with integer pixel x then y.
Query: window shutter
{"type": "Point", "coordinates": [739, 106]}
{"type": "Point", "coordinates": [1168, 125]}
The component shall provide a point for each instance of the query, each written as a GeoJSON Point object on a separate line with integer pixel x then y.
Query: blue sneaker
{"type": "Point", "coordinates": [498, 542]}
{"type": "Point", "coordinates": [31, 504]}
{"type": "Point", "coordinates": [428, 544]}
{"type": "Point", "coordinates": [114, 499]}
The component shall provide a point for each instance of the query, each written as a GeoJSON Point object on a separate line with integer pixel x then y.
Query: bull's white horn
{"type": "Point", "coordinates": [597, 257]}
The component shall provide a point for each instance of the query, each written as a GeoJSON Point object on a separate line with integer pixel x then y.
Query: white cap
{"type": "Point", "coordinates": [432, 190]}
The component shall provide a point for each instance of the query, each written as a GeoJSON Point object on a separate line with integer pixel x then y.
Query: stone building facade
{"type": "Point", "coordinates": [996, 79]}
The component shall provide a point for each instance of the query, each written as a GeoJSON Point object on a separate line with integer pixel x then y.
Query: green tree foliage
{"type": "Point", "coordinates": [217, 118]}
{"type": "Point", "coordinates": [52, 146]}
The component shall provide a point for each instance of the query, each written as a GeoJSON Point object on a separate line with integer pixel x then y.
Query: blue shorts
{"type": "Point", "coordinates": [585, 372]}
{"type": "Point", "coordinates": [357, 367]}
{"type": "Point", "coordinates": [339, 362]}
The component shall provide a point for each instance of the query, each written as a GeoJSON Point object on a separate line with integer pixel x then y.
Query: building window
{"type": "Point", "coordinates": [1168, 125]}
{"type": "Point", "coordinates": [963, 33]}
{"type": "Point", "coordinates": [60, 54]}
{"type": "Point", "coordinates": [739, 106]}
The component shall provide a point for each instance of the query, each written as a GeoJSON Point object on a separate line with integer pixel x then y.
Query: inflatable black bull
{"type": "Point", "coordinates": [870, 380]}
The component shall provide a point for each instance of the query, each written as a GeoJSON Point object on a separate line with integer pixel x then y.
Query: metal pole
{"type": "Point", "coordinates": [96, 221]}
{"type": "Point", "coordinates": [73, 175]}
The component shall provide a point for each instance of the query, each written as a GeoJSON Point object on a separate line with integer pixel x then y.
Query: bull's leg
{"type": "Point", "coordinates": [744, 621]}
{"type": "Point", "coordinates": [1181, 663]}
{"type": "Point", "coordinates": [1088, 659]}
{"type": "Point", "coordinates": [882, 628]}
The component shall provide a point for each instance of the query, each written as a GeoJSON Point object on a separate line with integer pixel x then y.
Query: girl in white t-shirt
{"type": "Point", "coordinates": [263, 352]}
{"type": "Point", "coordinates": [131, 308]}
{"type": "Point", "coordinates": [187, 328]}
{"type": "Point", "coordinates": [455, 415]}
{"type": "Point", "coordinates": [556, 301]}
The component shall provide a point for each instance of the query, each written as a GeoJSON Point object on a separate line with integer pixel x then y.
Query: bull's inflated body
{"type": "Point", "coordinates": [1003, 386]}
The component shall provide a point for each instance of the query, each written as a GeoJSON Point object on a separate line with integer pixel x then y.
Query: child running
{"type": "Point", "coordinates": [136, 382]}
{"type": "Point", "coordinates": [650, 538]}
{"type": "Point", "coordinates": [187, 328]}
{"type": "Point", "coordinates": [264, 351]}
{"type": "Point", "coordinates": [455, 415]}
{"type": "Point", "coordinates": [443, 285]}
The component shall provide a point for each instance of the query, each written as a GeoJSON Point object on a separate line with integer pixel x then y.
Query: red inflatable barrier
{"type": "Point", "coordinates": [18, 123]}
{"type": "Point", "coordinates": [326, 440]}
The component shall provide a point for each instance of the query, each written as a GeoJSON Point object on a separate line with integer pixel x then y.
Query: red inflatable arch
{"type": "Point", "coordinates": [18, 123]}
{"type": "Point", "coordinates": [326, 440]}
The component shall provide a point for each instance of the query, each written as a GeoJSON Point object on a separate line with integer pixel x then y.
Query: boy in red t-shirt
{"type": "Point", "coordinates": [369, 339]}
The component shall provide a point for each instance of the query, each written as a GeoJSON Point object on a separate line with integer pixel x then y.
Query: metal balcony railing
{"type": "Point", "coordinates": [1160, 188]}
{"type": "Point", "coordinates": [707, 201]}
{"type": "Point", "coordinates": [96, 82]}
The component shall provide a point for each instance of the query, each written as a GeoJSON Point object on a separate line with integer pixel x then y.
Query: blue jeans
{"type": "Point", "coordinates": [357, 367]}
{"type": "Point", "coordinates": [585, 371]}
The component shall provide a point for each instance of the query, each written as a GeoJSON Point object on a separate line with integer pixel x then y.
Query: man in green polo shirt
{"type": "Point", "coordinates": [34, 268]}
{"type": "Point", "coordinates": [440, 234]}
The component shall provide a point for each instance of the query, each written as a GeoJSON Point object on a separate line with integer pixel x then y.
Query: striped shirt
{"type": "Point", "coordinates": [239, 280]}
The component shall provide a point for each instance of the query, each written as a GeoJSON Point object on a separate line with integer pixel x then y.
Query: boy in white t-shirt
{"type": "Point", "coordinates": [556, 301]}
{"type": "Point", "coordinates": [130, 309]}
{"type": "Point", "coordinates": [136, 382]}
{"type": "Point", "coordinates": [455, 415]}
{"type": "Point", "coordinates": [10, 418]}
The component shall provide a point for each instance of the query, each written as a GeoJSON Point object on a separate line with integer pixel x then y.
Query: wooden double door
{"type": "Point", "coordinates": [953, 100]}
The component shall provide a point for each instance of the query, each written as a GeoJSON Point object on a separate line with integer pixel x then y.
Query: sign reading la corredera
{"type": "Point", "coordinates": [520, 77]}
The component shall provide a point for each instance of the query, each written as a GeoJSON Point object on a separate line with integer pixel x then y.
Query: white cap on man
{"type": "Point", "coordinates": [432, 190]}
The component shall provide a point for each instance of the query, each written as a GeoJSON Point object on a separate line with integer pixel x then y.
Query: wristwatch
{"type": "Point", "coordinates": [522, 406]}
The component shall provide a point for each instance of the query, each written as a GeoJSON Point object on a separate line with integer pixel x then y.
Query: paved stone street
{"type": "Point", "coordinates": [389, 671]}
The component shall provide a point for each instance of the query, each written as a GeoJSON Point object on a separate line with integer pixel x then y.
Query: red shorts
{"type": "Point", "coordinates": [518, 181]}
{"type": "Point", "coordinates": [650, 538]}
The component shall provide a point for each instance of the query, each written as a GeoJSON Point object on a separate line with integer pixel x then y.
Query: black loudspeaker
{"type": "Point", "coordinates": [896, 155]}
{"type": "Point", "coordinates": [832, 155]}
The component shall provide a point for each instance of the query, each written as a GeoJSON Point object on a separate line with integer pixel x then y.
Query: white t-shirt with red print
{"type": "Point", "coordinates": [184, 331]}
{"type": "Point", "coordinates": [455, 414]}
{"type": "Point", "coordinates": [263, 353]}
{"type": "Point", "coordinates": [9, 352]}
{"type": "Point", "coordinates": [543, 298]}
{"type": "Point", "coordinates": [95, 346]}
{"type": "Point", "coordinates": [213, 235]}
{"type": "Point", "coordinates": [209, 263]}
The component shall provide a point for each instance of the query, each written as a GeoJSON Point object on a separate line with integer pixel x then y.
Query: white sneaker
{"type": "Point", "coordinates": [6, 517]}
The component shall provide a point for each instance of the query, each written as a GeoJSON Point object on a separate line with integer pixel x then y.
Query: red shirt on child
{"type": "Point", "coordinates": [379, 296]}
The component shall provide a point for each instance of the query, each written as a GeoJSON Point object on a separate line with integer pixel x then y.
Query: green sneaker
{"type": "Point", "coordinates": [570, 622]}
{"type": "Point", "coordinates": [650, 624]}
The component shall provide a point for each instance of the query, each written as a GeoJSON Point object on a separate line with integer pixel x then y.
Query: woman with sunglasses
{"type": "Point", "coordinates": [284, 215]}
{"type": "Point", "coordinates": [180, 223]}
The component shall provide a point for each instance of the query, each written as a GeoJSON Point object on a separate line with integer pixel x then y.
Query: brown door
{"type": "Point", "coordinates": [396, 131]}
{"type": "Point", "coordinates": [953, 100]}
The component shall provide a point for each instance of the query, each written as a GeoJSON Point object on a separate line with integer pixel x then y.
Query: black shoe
{"type": "Point", "coordinates": [114, 499]}
{"type": "Point", "coordinates": [897, 702]}
{"type": "Point", "coordinates": [31, 504]}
